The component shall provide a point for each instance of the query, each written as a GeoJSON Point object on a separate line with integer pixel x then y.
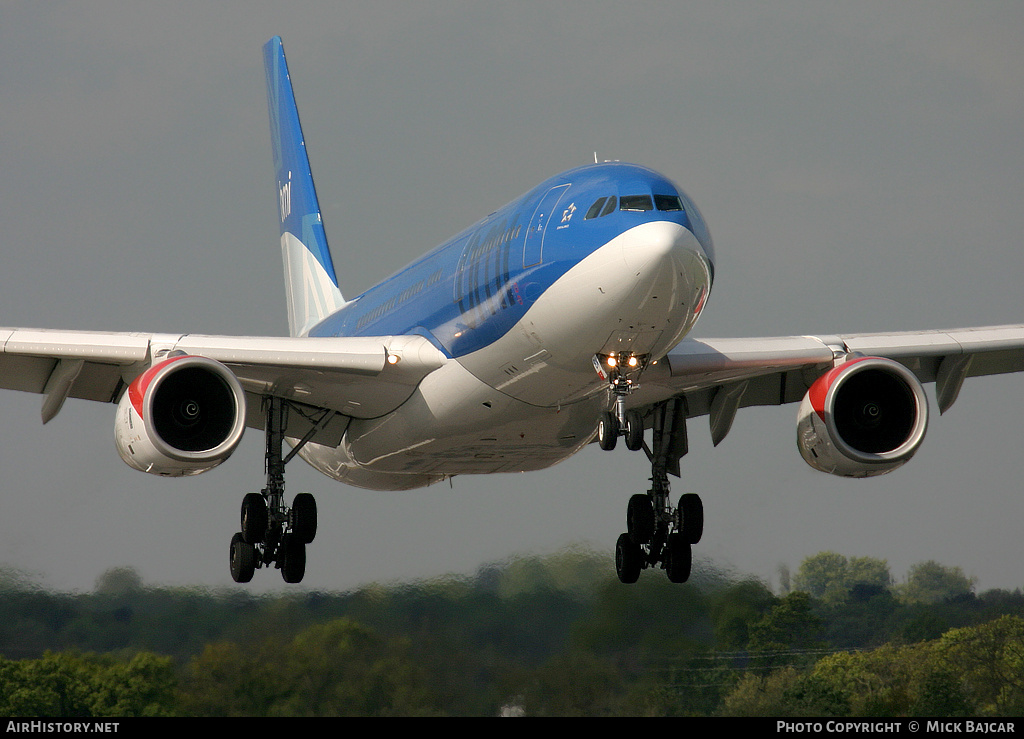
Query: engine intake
{"type": "Point", "coordinates": [182, 416]}
{"type": "Point", "coordinates": [865, 417]}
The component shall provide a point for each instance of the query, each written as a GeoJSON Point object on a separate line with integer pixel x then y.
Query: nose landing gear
{"type": "Point", "coordinates": [621, 369]}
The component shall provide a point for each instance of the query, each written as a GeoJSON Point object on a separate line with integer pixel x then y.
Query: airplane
{"type": "Point", "coordinates": [561, 319]}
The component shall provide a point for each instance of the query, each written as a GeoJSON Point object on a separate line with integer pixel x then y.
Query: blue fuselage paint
{"type": "Point", "coordinates": [470, 291]}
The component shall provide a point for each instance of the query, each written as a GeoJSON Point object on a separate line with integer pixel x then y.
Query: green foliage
{"type": "Point", "coordinates": [976, 670]}
{"type": "Point", "coordinates": [930, 582]}
{"type": "Point", "coordinates": [921, 623]}
{"type": "Point", "coordinates": [555, 635]}
{"type": "Point", "coordinates": [832, 578]}
{"type": "Point", "coordinates": [820, 574]}
{"type": "Point", "coordinates": [574, 684]}
{"type": "Point", "coordinates": [940, 692]}
{"type": "Point", "coordinates": [735, 608]}
{"type": "Point", "coordinates": [880, 682]}
{"type": "Point", "coordinates": [573, 570]}
{"type": "Point", "coordinates": [652, 617]}
{"type": "Point", "coordinates": [82, 685]}
{"type": "Point", "coordinates": [888, 681]}
{"type": "Point", "coordinates": [339, 668]}
{"type": "Point", "coordinates": [865, 619]}
{"type": "Point", "coordinates": [119, 582]}
{"type": "Point", "coordinates": [990, 660]}
{"type": "Point", "coordinates": [764, 694]}
{"type": "Point", "coordinates": [789, 628]}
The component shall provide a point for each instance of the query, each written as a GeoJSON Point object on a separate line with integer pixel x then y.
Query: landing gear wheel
{"type": "Point", "coordinates": [254, 518]}
{"type": "Point", "coordinates": [607, 431]}
{"type": "Point", "coordinates": [634, 431]}
{"type": "Point", "coordinates": [293, 559]}
{"type": "Point", "coordinates": [628, 559]}
{"type": "Point", "coordinates": [678, 558]}
{"type": "Point", "coordinates": [243, 559]}
{"type": "Point", "coordinates": [640, 519]}
{"type": "Point", "coordinates": [303, 517]}
{"type": "Point", "coordinates": [691, 515]}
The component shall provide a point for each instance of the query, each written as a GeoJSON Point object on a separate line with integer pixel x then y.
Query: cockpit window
{"type": "Point", "coordinates": [609, 206]}
{"type": "Point", "coordinates": [636, 202]}
{"type": "Point", "coordinates": [668, 202]}
{"type": "Point", "coordinates": [595, 209]}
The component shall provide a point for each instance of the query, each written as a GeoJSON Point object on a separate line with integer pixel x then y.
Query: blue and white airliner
{"type": "Point", "coordinates": [561, 319]}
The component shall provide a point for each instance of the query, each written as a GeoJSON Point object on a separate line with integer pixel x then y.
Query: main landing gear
{"type": "Point", "coordinates": [656, 533]}
{"type": "Point", "coordinates": [272, 533]}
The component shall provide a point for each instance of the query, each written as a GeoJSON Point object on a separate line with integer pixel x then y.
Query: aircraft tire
{"type": "Point", "coordinates": [243, 559]}
{"type": "Point", "coordinates": [254, 518]}
{"type": "Point", "coordinates": [634, 431]}
{"type": "Point", "coordinates": [678, 558]}
{"type": "Point", "coordinates": [627, 559]}
{"type": "Point", "coordinates": [303, 517]}
{"type": "Point", "coordinates": [640, 519]}
{"type": "Point", "coordinates": [293, 559]}
{"type": "Point", "coordinates": [607, 431]}
{"type": "Point", "coordinates": [691, 512]}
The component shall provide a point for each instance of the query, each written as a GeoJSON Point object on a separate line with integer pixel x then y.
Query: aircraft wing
{"type": "Point", "coordinates": [716, 377]}
{"type": "Point", "coordinates": [359, 377]}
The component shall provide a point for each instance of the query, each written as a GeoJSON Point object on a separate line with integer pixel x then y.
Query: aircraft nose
{"type": "Point", "coordinates": [658, 245]}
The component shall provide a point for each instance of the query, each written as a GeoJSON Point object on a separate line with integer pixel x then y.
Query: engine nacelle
{"type": "Point", "coordinates": [182, 416]}
{"type": "Point", "coordinates": [865, 417]}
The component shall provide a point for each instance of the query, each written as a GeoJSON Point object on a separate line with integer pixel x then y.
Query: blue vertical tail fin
{"type": "Point", "coordinates": [310, 280]}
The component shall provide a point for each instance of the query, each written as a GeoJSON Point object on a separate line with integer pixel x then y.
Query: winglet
{"type": "Point", "coordinates": [310, 280]}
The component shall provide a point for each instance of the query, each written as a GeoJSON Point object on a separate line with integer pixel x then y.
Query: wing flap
{"type": "Point", "coordinates": [28, 358]}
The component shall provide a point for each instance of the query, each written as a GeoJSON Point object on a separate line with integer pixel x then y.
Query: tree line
{"type": "Point", "coordinates": [539, 635]}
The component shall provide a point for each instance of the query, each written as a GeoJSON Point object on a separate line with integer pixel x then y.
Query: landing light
{"type": "Point", "coordinates": [611, 361]}
{"type": "Point", "coordinates": [393, 358]}
{"type": "Point", "coordinates": [633, 361]}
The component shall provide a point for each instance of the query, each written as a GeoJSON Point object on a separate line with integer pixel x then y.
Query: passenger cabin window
{"type": "Point", "coordinates": [668, 202]}
{"type": "Point", "coordinates": [636, 202]}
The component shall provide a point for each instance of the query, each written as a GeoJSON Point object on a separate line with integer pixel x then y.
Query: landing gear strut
{"type": "Point", "coordinates": [272, 533]}
{"type": "Point", "coordinates": [656, 532]}
{"type": "Point", "coordinates": [621, 370]}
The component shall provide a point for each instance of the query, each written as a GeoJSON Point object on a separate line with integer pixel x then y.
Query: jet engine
{"type": "Point", "coordinates": [863, 418]}
{"type": "Point", "coordinates": [182, 416]}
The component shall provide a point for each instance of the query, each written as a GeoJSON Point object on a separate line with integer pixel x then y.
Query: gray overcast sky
{"type": "Point", "coordinates": [860, 164]}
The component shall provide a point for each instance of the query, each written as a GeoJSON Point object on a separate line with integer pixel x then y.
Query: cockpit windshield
{"type": "Point", "coordinates": [666, 202]}
{"type": "Point", "coordinates": [636, 202]}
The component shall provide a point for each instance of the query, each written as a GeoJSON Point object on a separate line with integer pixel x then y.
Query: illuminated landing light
{"type": "Point", "coordinates": [393, 359]}
{"type": "Point", "coordinates": [622, 360]}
